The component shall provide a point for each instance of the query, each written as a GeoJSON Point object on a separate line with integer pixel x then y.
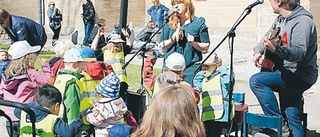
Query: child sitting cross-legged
{"type": "Point", "coordinates": [46, 109]}
{"type": "Point", "coordinates": [110, 109]}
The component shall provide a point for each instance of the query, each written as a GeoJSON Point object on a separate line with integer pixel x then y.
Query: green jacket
{"type": "Point", "coordinates": [66, 83]}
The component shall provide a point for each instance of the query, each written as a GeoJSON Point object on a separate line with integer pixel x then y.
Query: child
{"type": "Point", "coordinates": [74, 61]}
{"type": "Point", "coordinates": [213, 82]}
{"type": "Point", "coordinates": [4, 62]}
{"type": "Point", "coordinates": [46, 109]}
{"type": "Point", "coordinates": [56, 63]}
{"type": "Point", "coordinates": [109, 110]}
{"type": "Point", "coordinates": [93, 72]}
{"type": "Point", "coordinates": [21, 81]}
{"type": "Point", "coordinates": [174, 63]}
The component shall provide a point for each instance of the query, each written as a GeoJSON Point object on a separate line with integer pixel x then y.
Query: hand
{"type": "Point", "coordinates": [257, 60]}
{"type": "Point", "coordinates": [190, 38]}
{"type": "Point", "coordinates": [125, 33]}
{"type": "Point", "coordinates": [44, 61]}
{"type": "Point", "coordinates": [269, 44]}
{"type": "Point", "coordinates": [101, 31]}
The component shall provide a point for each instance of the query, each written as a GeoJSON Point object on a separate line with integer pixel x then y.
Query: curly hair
{"type": "Point", "coordinates": [20, 66]}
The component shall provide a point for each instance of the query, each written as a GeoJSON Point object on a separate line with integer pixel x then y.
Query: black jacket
{"type": "Point", "coordinates": [88, 13]}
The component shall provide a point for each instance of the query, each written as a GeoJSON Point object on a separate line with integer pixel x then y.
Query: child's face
{"type": "Point", "coordinates": [79, 66]}
{"type": "Point", "coordinates": [3, 56]}
{"type": "Point", "coordinates": [208, 69]}
{"type": "Point", "coordinates": [117, 47]}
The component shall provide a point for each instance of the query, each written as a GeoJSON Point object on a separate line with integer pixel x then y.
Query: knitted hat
{"type": "Point", "coordinates": [109, 86]}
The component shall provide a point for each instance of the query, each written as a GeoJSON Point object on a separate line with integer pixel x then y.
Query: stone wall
{"type": "Point", "coordinates": [220, 15]}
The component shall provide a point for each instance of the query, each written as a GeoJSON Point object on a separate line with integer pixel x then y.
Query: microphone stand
{"type": "Point", "coordinates": [143, 49]}
{"type": "Point", "coordinates": [231, 34]}
{"type": "Point", "coordinates": [24, 108]}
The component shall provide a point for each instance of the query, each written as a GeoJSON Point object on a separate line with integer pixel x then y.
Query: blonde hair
{"type": "Point", "coordinates": [110, 47]}
{"type": "Point", "coordinates": [172, 112]}
{"type": "Point", "coordinates": [189, 8]}
{"type": "Point", "coordinates": [62, 46]}
{"type": "Point", "coordinates": [20, 66]}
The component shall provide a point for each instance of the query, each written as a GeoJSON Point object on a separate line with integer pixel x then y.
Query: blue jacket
{"type": "Point", "coordinates": [224, 74]}
{"type": "Point", "coordinates": [21, 28]}
{"type": "Point", "coordinates": [157, 14]}
{"type": "Point", "coordinates": [60, 128]}
{"type": "Point", "coordinates": [3, 66]}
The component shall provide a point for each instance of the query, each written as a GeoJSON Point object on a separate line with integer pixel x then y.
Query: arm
{"type": "Point", "coordinates": [95, 41]}
{"type": "Point", "coordinates": [197, 80]}
{"type": "Point", "coordinates": [296, 50]}
{"type": "Point", "coordinates": [150, 10]}
{"type": "Point", "coordinates": [148, 75]}
{"type": "Point", "coordinates": [98, 114]}
{"type": "Point", "coordinates": [202, 42]}
{"type": "Point", "coordinates": [38, 78]}
{"type": "Point", "coordinates": [63, 129]}
{"type": "Point", "coordinates": [72, 102]}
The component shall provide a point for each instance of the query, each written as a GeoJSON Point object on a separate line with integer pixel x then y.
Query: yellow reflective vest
{"type": "Point", "coordinates": [44, 128]}
{"type": "Point", "coordinates": [214, 105]}
{"type": "Point", "coordinates": [116, 60]}
{"type": "Point", "coordinates": [87, 95]}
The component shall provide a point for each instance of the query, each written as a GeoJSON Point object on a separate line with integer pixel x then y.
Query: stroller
{"type": "Point", "coordinates": [22, 107]}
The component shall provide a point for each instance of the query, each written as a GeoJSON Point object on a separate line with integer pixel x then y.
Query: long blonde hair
{"type": "Point", "coordinates": [20, 66]}
{"type": "Point", "coordinates": [172, 112]}
{"type": "Point", "coordinates": [189, 8]}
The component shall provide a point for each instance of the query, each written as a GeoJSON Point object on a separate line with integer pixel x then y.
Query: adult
{"type": "Point", "coordinates": [21, 28]}
{"type": "Point", "coordinates": [186, 34]}
{"type": "Point", "coordinates": [88, 17]}
{"type": "Point", "coordinates": [157, 12]}
{"type": "Point", "coordinates": [172, 113]}
{"type": "Point", "coordinates": [55, 18]}
{"type": "Point", "coordinates": [299, 71]}
{"type": "Point", "coordinates": [98, 29]}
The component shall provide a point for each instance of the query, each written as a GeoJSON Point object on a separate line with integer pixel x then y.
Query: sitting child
{"type": "Point", "coordinates": [110, 109]}
{"type": "Point", "coordinates": [4, 62]}
{"type": "Point", "coordinates": [46, 109]}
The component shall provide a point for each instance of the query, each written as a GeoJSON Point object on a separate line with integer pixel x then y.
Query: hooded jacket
{"type": "Point", "coordinates": [298, 44]}
{"type": "Point", "coordinates": [21, 28]}
{"type": "Point", "coordinates": [60, 128]}
{"type": "Point", "coordinates": [23, 88]}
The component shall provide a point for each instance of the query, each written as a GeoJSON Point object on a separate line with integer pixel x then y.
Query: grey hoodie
{"type": "Point", "coordinates": [298, 45]}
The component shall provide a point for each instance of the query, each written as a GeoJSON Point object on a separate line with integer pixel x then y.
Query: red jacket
{"type": "Point", "coordinates": [149, 77]}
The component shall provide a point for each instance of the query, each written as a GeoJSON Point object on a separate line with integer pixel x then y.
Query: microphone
{"type": "Point", "coordinates": [255, 4]}
{"type": "Point", "coordinates": [173, 12]}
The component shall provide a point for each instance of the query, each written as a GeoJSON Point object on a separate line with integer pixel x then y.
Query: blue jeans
{"type": "Point", "coordinates": [87, 30]}
{"type": "Point", "coordinates": [290, 89]}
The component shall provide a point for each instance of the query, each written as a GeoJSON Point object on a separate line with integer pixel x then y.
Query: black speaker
{"type": "Point", "coordinates": [136, 101]}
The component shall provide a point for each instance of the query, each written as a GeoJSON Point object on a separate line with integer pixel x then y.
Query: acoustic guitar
{"type": "Point", "coordinates": [272, 62]}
